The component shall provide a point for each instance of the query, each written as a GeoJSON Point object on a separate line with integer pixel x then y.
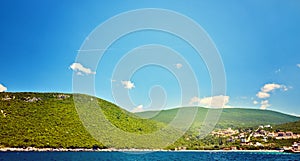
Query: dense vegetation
{"type": "Point", "coordinates": [230, 118]}
{"type": "Point", "coordinates": [290, 126]}
{"type": "Point", "coordinates": [51, 120]}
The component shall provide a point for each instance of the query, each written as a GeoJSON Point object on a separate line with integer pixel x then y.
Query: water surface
{"type": "Point", "coordinates": [121, 156]}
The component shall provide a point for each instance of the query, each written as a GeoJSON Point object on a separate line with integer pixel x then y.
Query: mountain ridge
{"type": "Point", "coordinates": [230, 117]}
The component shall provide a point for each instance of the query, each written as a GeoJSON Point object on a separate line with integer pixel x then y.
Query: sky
{"type": "Point", "coordinates": [258, 42]}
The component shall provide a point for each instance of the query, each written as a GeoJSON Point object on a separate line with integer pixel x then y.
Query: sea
{"type": "Point", "coordinates": [151, 156]}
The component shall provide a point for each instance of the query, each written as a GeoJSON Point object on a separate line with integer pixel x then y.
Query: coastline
{"type": "Point", "coordinates": [32, 149]}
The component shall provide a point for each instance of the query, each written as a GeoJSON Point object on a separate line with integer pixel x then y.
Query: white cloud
{"type": "Point", "coordinates": [298, 65]}
{"type": "Point", "coordinates": [2, 88]}
{"type": "Point", "coordinates": [277, 71]}
{"type": "Point", "coordinates": [214, 101]}
{"type": "Point", "coordinates": [265, 93]}
{"type": "Point", "coordinates": [178, 65]}
{"type": "Point", "coordinates": [139, 108]}
{"type": "Point", "coordinates": [80, 69]}
{"type": "Point", "coordinates": [264, 104]}
{"type": "Point", "coordinates": [255, 102]}
{"type": "Point", "coordinates": [270, 87]}
{"type": "Point", "coordinates": [128, 84]}
{"type": "Point", "coordinates": [262, 95]}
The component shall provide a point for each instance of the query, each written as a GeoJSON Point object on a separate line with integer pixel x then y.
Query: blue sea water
{"type": "Point", "coordinates": [153, 156]}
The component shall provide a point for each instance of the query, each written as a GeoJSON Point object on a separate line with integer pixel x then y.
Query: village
{"type": "Point", "coordinates": [263, 136]}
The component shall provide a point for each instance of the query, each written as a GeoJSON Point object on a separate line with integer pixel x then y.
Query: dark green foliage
{"type": "Point", "coordinates": [49, 122]}
{"type": "Point", "coordinates": [52, 121]}
{"type": "Point", "coordinates": [291, 126]}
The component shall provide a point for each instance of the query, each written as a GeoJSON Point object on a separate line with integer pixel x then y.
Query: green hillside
{"type": "Point", "coordinates": [230, 117]}
{"type": "Point", "coordinates": [51, 120]}
{"type": "Point", "coordinates": [235, 118]}
{"type": "Point", "coordinates": [253, 117]}
{"type": "Point", "coordinates": [290, 126]}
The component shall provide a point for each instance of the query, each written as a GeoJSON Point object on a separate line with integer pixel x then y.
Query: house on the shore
{"type": "Point", "coordinates": [289, 135]}
{"type": "Point", "coordinates": [245, 142]}
{"type": "Point", "coordinates": [258, 144]}
{"type": "Point", "coordinates": [271, 134]}
{"type": "Point", "coordinates": [286, 135]}
{"type": "Point", "coordinates": [296, 146]}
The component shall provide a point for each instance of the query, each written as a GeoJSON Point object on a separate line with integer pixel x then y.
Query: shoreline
{"type": "Point", "coordinates": [32, 149]}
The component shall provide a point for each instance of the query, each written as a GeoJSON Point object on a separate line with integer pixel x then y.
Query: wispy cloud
{"type": "Point", "coordinates": [139, 108]}
{"type": "Point", "coordinates": [2, 88]}
{"type": "Point", "coordinates": [178, 65]}
{"type": "Point", "coordinates": [128, 84]}
{"type": "Point", "coordinates": [80, 69]}
{"type": "Point", "coordinates": [285, 88]}
{"type": "Point", "coordinates": [214, 101]}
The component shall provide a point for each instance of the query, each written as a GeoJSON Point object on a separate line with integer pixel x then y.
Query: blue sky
{"type": "Point", "coordinates": [257, 40]}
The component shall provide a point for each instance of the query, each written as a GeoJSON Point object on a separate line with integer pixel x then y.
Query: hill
{"type": "Point", "coordinates": [236, 118]}
{"type": "Point", "coordinates": [290, 126]}
{"type": "Point", "coordinates": [230, 117]}
{"type": "Point", "coordinates": [51, 120]}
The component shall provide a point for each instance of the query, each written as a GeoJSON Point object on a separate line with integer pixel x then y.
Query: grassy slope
{"type": "Point", "coordinates": [53, 122]}
{"type": "Point", "coordinates": [291, 126]}
{"type": "Point", "coordinates": [230, 117]}
{"type": "Point", "coordinates": [253, 117]}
